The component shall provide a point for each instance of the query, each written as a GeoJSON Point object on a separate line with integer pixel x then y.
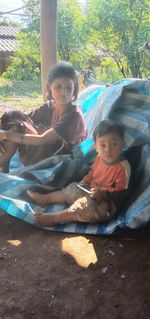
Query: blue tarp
{"type": "Point", "coordinates": [127, 101]}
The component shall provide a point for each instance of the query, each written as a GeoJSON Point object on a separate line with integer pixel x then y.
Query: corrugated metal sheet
{"type": "Point", "coordinates": [8, 45]}
{"type": "Point", "coordinates": [6, 31]}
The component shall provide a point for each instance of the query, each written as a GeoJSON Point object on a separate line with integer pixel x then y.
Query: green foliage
{"type": "Point", "coordinates": [24, 95]}
{"type": "Point", "coordinates": [71, 34]}
{"type": "Point", "coordinates": [33, 11]}
{"type": "Point", "coordinates": [8, 22]}
{"type": "Point", "coordinates": [121, 27]}
{"type": "Point", "coordinates": [106, 35]}
{"type": "Point", "coordinates": [25, 63]}
{"type": "Point", "coordinates": [19, 87]}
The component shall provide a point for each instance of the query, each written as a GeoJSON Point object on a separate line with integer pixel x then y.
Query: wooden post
{"type": "Point", "coordinates": [48, 34]}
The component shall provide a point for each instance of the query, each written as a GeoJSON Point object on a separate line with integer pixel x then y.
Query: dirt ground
{"type": "Point", "coordinates": [48, 275]}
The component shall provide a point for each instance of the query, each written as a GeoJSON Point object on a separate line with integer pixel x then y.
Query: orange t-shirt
{"type": "Point", "coordinates": [111, 178]}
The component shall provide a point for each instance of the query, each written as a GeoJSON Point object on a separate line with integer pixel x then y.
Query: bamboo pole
{"type": "Point", "coordinates": [48, 35]}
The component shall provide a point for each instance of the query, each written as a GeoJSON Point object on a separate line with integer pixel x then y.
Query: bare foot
{"type": "Point", "coordinates": [46, 219]}
{"type": "Point", "coordinates": [54, 218]}
{"type": "Point", "coordinates": [39, 198]}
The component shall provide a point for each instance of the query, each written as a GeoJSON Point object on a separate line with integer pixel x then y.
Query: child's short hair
{"type": "Point", "coordinates": [63, 69]}
{"type": "Point", "coordinates": [108, 126]}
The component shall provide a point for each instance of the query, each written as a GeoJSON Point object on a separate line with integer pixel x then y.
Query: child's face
{"type": "Point", "coordinates": [109, 146]}
{"type": "Point", "coordinates": [62, 90]}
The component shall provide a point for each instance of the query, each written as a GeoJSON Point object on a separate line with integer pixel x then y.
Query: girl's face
{"type": "Point", "coordinates": [62, 90]}
{"type": "Point", "coordinates": [109, 146]}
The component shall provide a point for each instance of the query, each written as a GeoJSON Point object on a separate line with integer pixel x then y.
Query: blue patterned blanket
{"type": "Point", "coordinates": [127, 101]}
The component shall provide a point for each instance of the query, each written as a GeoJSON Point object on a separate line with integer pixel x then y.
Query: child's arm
{"type": "Point", "coordinates": [97, 194]}
{"type": "Point", "coordinates": [88, 179]}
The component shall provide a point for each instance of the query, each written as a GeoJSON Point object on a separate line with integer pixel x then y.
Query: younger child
{"type": "Point", "coordinates": [109, 179]}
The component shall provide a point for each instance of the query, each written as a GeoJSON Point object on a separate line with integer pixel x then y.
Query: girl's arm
{"type": "Point", "coordinates": [50, 136]}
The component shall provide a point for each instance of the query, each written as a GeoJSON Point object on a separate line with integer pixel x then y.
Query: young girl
{"type": "Point", "coordinates": [50, 129]}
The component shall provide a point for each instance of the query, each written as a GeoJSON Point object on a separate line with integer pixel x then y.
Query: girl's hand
{"type": "Point", "coordinates": [97, 194]}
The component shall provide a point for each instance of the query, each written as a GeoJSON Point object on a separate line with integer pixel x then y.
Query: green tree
{"type": "Point", "coordinates": [8, 22]}
{"type": "Point", "coordinates": [121, 26]}
{"type": "Point", "coordinates": [25, 63]}
{"type": "Point", "coordinates": [106, 35]}
{"type": "Point", "coordinates": [71, 31]}
{"type": "Point", "coordinates": [71, 37]}
{"type": "Point", "coordinates": [32, 10]}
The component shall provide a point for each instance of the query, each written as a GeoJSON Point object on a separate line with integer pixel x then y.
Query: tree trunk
{"type": "Point", "coordinates": [48, 32]}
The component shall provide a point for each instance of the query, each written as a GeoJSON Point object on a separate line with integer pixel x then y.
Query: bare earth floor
{"type": "Point", "coordinates": [47, 275]}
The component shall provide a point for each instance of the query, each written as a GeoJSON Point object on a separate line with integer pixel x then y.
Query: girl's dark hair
{"type": "Point", "coordinates": [63, 69]}
{"type": "Point", "coordinates": [108, 126]}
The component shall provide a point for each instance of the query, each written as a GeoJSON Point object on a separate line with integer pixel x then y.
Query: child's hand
{"type": "Point", "coordinates": [97, 194]}
{"type": "Point", "coordinates": [81, 182]}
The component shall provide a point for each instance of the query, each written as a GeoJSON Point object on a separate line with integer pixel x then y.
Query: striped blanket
{"type": "Point", "coordinates": [127, 101]}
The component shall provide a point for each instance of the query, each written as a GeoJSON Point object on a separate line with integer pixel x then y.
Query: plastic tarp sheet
{"type": "Point", "coordinates": [127, 101]}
